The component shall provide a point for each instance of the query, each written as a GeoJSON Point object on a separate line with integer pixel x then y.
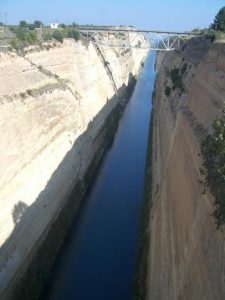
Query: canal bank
{"type": "Point", "coordinates": [98, 257]}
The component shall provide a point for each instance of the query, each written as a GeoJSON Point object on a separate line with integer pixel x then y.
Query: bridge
{"type": "Point", "coordinates": [116, 37]}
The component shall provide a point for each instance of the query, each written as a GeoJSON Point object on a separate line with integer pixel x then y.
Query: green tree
{"type": "Point", "coordinates": [219, 21]}
{"type": "Point", "coordinates": [38, 24]}
{"type": "Point", "coordinates": [58, 36]}
{"type": "Point", "coordinates": [62, 25]}
{"type": "Point", "coordinates": [74, 33]}
{"type": "Point", "coordinates": [23, 24]}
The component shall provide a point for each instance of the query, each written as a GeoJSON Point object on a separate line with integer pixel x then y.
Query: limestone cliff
{"type": "Point", "coordinates": [54, 101]}
{"type": "Point", "coordinates": [186, 253]}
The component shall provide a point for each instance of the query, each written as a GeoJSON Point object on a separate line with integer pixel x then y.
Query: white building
{"type": "Point", "coordinates": [54, 25]}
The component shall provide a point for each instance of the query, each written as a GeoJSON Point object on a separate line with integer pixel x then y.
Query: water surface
{"type": "Point", "coordinates": [97, 261]}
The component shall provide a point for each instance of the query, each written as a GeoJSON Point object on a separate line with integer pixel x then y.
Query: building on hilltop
{"type": "Point", "coordinates": [54, 25]}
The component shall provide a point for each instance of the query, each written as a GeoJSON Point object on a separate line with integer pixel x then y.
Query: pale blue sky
{"type": "Point", "coordinates": [144, 14]}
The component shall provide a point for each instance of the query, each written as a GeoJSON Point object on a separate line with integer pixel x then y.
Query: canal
{"type": "Point", "coordinates": [97, 261]}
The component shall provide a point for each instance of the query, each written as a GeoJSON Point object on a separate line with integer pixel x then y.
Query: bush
{"type": "Point", "coordinates": [167, 91]}
{"type": "Point", "coordinates": [21, 34]}
{"type": "Point", "coordinates": [184, 68]}
{"type": "Point", "coordinates": [47, 37]}
{"type": "Point", "coordinates": [176, 79]}
{"type": "Point", "coordinates": [74, 33]}
{"type": "Point", "coordinates": [58, 36]}
{"type": "Point", "coordinates": [31, 38]}
{"type": "Point", "coordinates": [211, 34]}
{"type": "Point", "coordinates": [29, 92]}
{"type": "Point", "coordinates": [14, 44]}
{"type": "Point", "coordinates": [213, 152]}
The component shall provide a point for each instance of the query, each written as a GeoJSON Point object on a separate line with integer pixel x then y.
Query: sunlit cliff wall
{"type": "Point", "coordinates": [53, 105]}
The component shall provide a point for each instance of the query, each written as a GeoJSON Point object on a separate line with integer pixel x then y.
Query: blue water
{"type": "Point", "coordinates": [97, 261]}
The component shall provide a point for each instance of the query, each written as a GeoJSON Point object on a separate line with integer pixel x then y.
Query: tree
{"type": "Point", "coordinates": [58, 36]}
{"type": "Point", "coordinates": [31, 27]}
{"type": "Point", "coordinates": [23, 24]}
{"type": "Point", "coordinates": [62, 25]}
{"type": "Point", "coordinates": [38, 24]}
{"type": "Point", "coordinates": [219, 21]}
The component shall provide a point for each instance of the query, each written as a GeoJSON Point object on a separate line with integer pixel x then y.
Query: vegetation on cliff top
{"type": "Point", "coordinates": [219, 21]}
{"type": "Point", "coordinates": [30, 34]}
{"type": "Point", "coordinates": [213, 152]}
{"type": "Point", "coordinates": [217, 28]}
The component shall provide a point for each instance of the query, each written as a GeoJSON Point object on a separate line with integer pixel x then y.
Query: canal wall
{"type": "Point", "coordinates": [185, 252]}
{"type": "Point", "coordinates": [59, 105]}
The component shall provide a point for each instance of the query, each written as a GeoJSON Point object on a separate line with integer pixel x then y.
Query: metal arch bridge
{"type": "Point", "coordinates": [125, 38]}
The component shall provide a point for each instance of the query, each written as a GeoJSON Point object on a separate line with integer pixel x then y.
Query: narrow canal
{"type": "Point", "coordinates": [97, 261]}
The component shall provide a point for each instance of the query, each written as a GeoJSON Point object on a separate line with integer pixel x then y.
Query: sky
{"type": "Point", "coordinates": [179, 15]}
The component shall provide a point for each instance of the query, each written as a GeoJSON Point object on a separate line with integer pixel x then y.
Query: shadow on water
{"type": "Point", "coordinates": [32, 274]}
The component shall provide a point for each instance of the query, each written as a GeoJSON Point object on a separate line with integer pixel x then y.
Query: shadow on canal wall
{"type": "Point", "coordinates": [32, 273]}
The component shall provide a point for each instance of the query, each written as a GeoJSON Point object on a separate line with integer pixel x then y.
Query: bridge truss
{"type": "Point", "coordinates": [132, 38]}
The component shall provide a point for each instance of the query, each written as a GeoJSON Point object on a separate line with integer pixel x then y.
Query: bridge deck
{"type": "Point", "coordinates": [110, 29]}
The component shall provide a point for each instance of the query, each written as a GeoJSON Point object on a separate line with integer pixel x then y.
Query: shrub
{"type": "Point", "coordinates": [47, 37]}
{"type": "Point", "coordinates": [21, 34]}
{"type": "Point", "coordinates": [31, 38]}
{"type": "Point", "coordinates": [23, 95]}
{"type": "Point", "coordinates": [29, 92]}
{"type": "Point", "coordinates": [176, 79]}
{"type": "Point", "coordinates": [14, 44]}
{"type": "Point", "coordinates": [167, 91]}
{"type": "Point", "coordinates": [74, 33]}
{"type": "Point", "coordinates": [58, 36]}
{"type": "Point", "coordinates": [213, 152]}
{"type": "Point", "coordinates": [211, 34]}
{"type": "Point", "coordinates": [184, 68]}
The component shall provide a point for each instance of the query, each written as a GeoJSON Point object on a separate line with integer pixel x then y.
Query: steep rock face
{"type": "Point", "coordinates": [53, 104]}
{"type": "Point", "coordinates": [186, 253]}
